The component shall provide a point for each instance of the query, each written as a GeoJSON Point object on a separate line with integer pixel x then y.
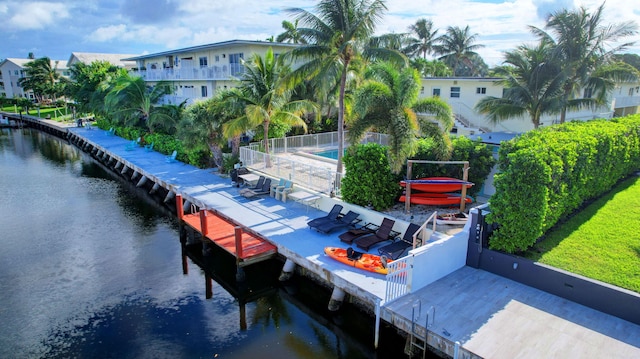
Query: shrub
{"type": "Point", "coordinates": [547, 174]}
{"type": "Point", "coordinates": [478, 154]}
{"type": "Point", "coordinates": [368, 180]}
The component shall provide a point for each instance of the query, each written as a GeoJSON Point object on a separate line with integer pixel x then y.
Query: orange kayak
{"type": "Point", "coordinates": [437, 184]}
{"type": "Point", "coordinates": [366, 261]}
{"type": "Point", "coordinates": [434, 199]}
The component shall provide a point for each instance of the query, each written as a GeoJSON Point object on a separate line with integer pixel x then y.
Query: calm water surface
{"type": "Point", "coordinates": [89, 268]}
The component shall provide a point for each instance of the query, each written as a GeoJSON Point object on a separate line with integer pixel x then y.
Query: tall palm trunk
{"type": "Point", "coordinates": [267, 159]}
{"type": "Point", "coordinates": [343, 85]}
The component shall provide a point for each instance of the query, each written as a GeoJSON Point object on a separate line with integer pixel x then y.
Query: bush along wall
{"type": "Point", "coordinates": [547, 174]}
{"type": "Point", "coordinates": [368, 180]}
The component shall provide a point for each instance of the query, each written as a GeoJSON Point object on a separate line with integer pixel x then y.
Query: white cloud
{"type": "Point", "coordinates": [107, 33]}
{"type": "Point", "coordinates": [35, 15]}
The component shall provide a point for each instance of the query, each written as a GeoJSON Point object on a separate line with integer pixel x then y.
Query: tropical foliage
{"type": "Point", "coordinates": [554, 170]}
{"type": "Point", "coordinates": [336, 36]}
{"type": "Point", "coordinates": [388, 101]}
{"type": "Point", "coordinates": [457, 48]}
{"type": "Point", "coordinates": [42, 77]}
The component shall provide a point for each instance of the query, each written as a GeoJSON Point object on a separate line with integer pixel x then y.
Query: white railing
{"type": "Point", "coordinates": [319, 141]}
{"type": "Point", "coordinates": [320, 179]}
{"type": "Point", "coordinates": [400, 272]}
{"type": "Point", "coordinates": [223, 72]}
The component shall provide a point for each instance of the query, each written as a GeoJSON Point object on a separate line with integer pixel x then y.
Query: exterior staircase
{"type": "Point", "coordinates": [461, 122]}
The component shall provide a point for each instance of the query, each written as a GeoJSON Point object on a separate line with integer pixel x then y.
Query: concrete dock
{"type": "Point", "coordinates": [487, 315]}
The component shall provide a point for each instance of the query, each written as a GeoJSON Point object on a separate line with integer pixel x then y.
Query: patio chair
{"type": "Point", "coordinates": [283, 191]}
{"type": "Point", "coordinates": [332, 216]}
{"type": "Point", "coordinates": [149, 148]}
{"type": "Point", "coordinates": [266, 188]}
{"type": "Point", "coordinates": [172, 158]}
{"type": "Point", "coordinates": [111, 132]}
{"type": "Point", "coordinates": [347, 220]}
{"type": "Point", "coordinates": [382, 234]}
{"type": "Point", "coordinates": [350, 235]}
{"type": "Point", "coordinates": [257, 187]}
{"type": "Point", "coordinates": [132, 145]}
{"type": "Point", "coordinates": [398, 248]}
{"type": "Point", "coordinates": [276, 185]}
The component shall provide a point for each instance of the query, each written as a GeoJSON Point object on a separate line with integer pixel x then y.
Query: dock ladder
{"type": "Point", "coordinates": [419, 340]}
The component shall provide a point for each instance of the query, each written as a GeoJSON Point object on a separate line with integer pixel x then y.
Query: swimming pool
{"type": "Point", "coordinates": [333, 154]}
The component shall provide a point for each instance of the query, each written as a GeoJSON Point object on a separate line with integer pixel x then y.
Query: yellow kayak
{"type": "Point", "coordinates": [366, 261]}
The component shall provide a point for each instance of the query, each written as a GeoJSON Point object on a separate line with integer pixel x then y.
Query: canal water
{"type": "Point", "coordinates": [92, 268]}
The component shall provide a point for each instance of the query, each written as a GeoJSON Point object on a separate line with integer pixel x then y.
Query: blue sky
{"type": "Point", "coordinates": [57, 28]}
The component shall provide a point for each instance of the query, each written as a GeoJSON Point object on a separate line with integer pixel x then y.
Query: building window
{"type": "Point", "coordinates": [217, 58]}
{"type": "Point", "coordinates": [631, 91]}
{"type": "Point", "coordinates": [455, 92]}
{"type": "Point", "coordinates": [436, 92]}
{"type": "Point", "coordinates": [203, 62]}
{"type": "Point", "coordinates": [481, 90]}
{"type": "Point", "coordinates": [203, 91]}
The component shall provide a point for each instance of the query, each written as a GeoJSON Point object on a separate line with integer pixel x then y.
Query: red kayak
{"type": "Point", "coordinates": [437, 184]}
{"type": "Point", "coordinates": [435, 199]}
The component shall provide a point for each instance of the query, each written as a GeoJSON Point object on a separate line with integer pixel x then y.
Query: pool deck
{"type": "Point", "coordinates": [490, 316]}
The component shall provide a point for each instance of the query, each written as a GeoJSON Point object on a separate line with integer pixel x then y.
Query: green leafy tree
{"type": "Point", "coordinates": [434, 68]}
{"type": "Point", "coordinates": [388, 101]}
{"type": "Point", "coordinates": [582, 45]}
{"type": "Point", "coordinates": [337, 35]}
{"type": "Point", "coordinates": [533, 86]}
{"type": "Point", "coordinates": [86, 80]}
{"type": "Point", "coordinates": [369, 180]}
{"type": "Point", "coordinates": [130, 102]}
{"type": "Point", "coordinates": [421, 44]}
{"type": "Point", "coordinates": [265, 98]}
{"type": "Point", "coordinates": [456, 46]}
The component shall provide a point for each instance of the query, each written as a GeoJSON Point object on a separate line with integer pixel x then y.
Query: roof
{"type": "Point", "coordinates": [464, 78]}
{"type": "Point", "coordinates": [21, 62]}
{"type": "Point", "coordinates": [210, 46]}
{"type": "Point", "coordinates": [89, 57]}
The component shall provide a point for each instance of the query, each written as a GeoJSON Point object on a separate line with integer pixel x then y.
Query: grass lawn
{"type": "Point", "coordinates": [55, 115]}
{"type": "Point", "coordinates": [600, 242]}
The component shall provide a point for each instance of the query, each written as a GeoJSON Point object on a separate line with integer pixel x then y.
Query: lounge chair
{"type": "Point", "coordinates": [347, 220]}
{"type": "Point", "coordinates": [172, 158]}
{"type": "Point", "coordinates": [149, 148]}
{"type": "Point", "coordinates": [111, 132]}
{"type": "Point", "coordinates": [276, 185]}
{"type": "Point", "coordinates": [382, 234]}
{"type": "Point", "coordinates": [266, 188]}
{"type": "Point", "coordinates": [257, 187]}
{"type": "Point", "coordinates": [350, 235]}
{"type": "Point", "coordinates": [396, 249]}
{"type": "Point", "coordinates": [332, 216]}
{"type": "Point", "coordinates": [283, 191]}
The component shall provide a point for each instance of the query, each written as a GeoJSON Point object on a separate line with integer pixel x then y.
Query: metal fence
{"type": "Point", "coordinates": [319, 175]}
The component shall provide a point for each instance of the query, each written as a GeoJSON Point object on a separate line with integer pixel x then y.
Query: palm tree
{"type": "Point", "coordinates": [130, 102]}
{"type": "Point", "coordinates": [533, 85]}
{"type": "Point", "coordinates": [423, 42]}
{"type": "Point", "coordinates": [86, 80]}
{"type": "Point", "coordinates": [582, 45]}
{"type": "Point", "coordinates": [336, 36]}
{"type": "Point", "coordinates": [291, 33]}
{"type": "Point", "coordinates": [388, 101]}
{"type": "Point", "coordinates": [265, 98]}
{"type": "Point", "coordinates": [456, 45]}
{"type": "Point", "coordinates": [433, 68]}
{"type": "Point", "coordinates": [42, 78]}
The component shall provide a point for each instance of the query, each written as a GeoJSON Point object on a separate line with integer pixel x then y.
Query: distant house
{"type": "Point", "coordinates": [463, 93]}
{"type": "Point", "coordinates": [88, 57]}
{"type": "Point", "coordinates": [12, 70]}
{"type": "Point", "coordinates": [198, 72]}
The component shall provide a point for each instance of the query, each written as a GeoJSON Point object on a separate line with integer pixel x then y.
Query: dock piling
{"type": "Point", "coordinates": [287, 270]}
{"type": "Point", "coordinates": [337, 297]}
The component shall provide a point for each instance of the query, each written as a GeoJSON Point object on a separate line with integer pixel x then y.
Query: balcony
{"type": "Point", "coordinates": [626, 101]}
{"type": "Point", "coordinates": [224, 72]}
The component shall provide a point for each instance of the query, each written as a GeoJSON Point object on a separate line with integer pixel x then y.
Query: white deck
{"type": "Point", "coordinates": [489, 315]}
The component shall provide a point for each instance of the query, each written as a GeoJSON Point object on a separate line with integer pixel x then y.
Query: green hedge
{"type": "Point", "coordinates": [478, 154]}
{"type": "Point", "coordinates": [368, 180]}
{"type": "Point", "coordinates": [547, 174]}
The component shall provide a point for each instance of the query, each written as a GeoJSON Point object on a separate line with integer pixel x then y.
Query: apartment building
{"type": "Point", "coordinates": [12, 70]}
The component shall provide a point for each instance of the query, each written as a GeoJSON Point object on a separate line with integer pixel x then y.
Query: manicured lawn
{"type": "Point", "coordinates": [55, 115]}
{"type": "Point", "coordinates": [602, 241]}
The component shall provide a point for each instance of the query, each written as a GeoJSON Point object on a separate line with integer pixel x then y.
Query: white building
{"type": "Point", "coordinates": [12, 70]}
{"type": "Point", "coordinates": [198, 72]}
{"type": "Point", "coordinates": [463, 93]}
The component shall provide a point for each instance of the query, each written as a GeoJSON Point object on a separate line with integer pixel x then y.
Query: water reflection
{"type": "Point", "coordinates": [91, 267]}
